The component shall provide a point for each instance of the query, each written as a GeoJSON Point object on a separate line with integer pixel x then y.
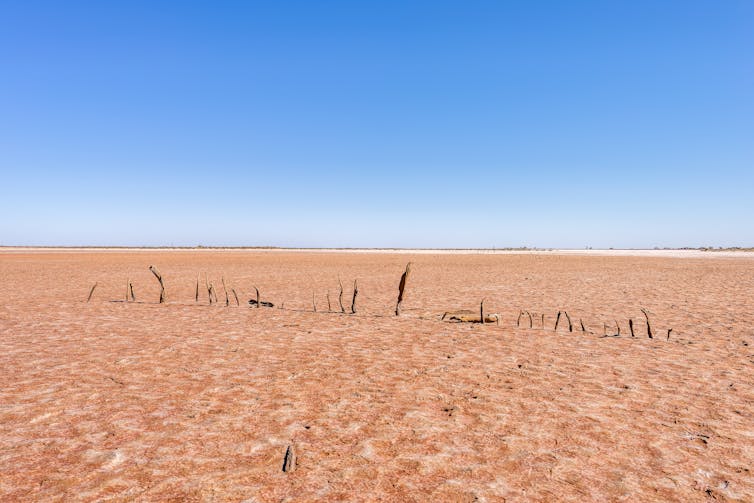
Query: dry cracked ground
{"type": "Point", "coordinates": [111, 400]}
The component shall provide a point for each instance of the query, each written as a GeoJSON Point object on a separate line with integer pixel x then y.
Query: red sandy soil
{"type": "Point", "coordinates": [116, 401]}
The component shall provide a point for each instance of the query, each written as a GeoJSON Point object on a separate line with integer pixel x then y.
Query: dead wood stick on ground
{"type": "Point", "coordinates": [570, 325]}
{"type": "Point", "coordinates": [314, 303]}
{"type": "Point", "coordinates": [116, 381]}
{"type": "Point", "coordinates": [557, 320]}
{"type": "Point", "coordinates": [402, 288]}
{"type": "Point", "coordinates": [631, 326]}
{"type": "Point", "coordinates": [257, 290]}
{"type": "Point", "coordinates": [128, 282]}
{"type": "Point", "coordinates": [543, 321]}
{"type": "Point", "coordinates": [159, 278]}
{"type": "Point", "coordinates": [236, 296]}
{"type": "Point", "coordinates": [209, 290]}
{"type": "Point", "coordinates": [225, 289]}
{"type": "Point", "coordinates": [649, 327]}
{"type": "Point", "coordinates": [131, 290]}
{"type": "Point", "coordinates": [669, 330]}
{"type": "Point", "coordinates": [481, 312]}
{"type": "Point", "coordinates": [617, 326]}
{"type": "Point", "coordinates": [340, 296]}
{"type": "Point", "coordinates": [353, 299]}
{"type": "Point", "coordinates": [196, 295]}
{"type": "Point", "coordinates": [518, 320]}
{"type": "Point", "coordinates": [583, 329]}
{"type": "Point", "coordinates": [329, 309]}
{"type": "Point", "coordinates": [212, 294]}
{"type": "Point", "coordinates": [470, 316]}
{"type": "Point", "coordinates": [531, 321]}
{"type": "Point", "coordinates": [91, 292]}
{"type": "Point", "coordinates": [289, 460]}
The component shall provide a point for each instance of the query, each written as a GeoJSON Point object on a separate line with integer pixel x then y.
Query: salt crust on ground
{"type": "Point", "coordinates": [115, 401]}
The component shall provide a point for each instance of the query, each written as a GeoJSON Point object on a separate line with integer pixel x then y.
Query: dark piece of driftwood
{"type": "Point", "coordinates": [209, 288]}
{"type": "Point", "coordinates": [557, 320]}
{"type": "Point", "coordinates": [481, 311]}
{"type": "Point", "coordinates": [131, 290]}
{"type": "Point", "coordinates": [196, 295]}
{"type": "Point", "coordinates": [669, 330]}
{"type": "Point", "coordinates": [159, 278]}
{"type": "Point", "coordinates": [568, 318]}
{"type": "Point", "coordinates": [91, 292]}
{"type": "Point", "coordinates": [236, 296]}
{"type": "Point", "coordinates": [520, 315]}
{"type": "Point", "coordinates": [289, 460]}
{"type": "Point", "coordinates": [649, 327]}
{"type": "Point", "coordinates": [340, 296]}
{"type": "Point", "coordinates": [259, 303]}
{"type": "Point", "coordinates": [583, 329]}
{"type": "Point", "coordinates": [402, 288]}
{"type": "Point", "coordinates": [212, 294]}
{"type": "Point", "coordinates": [225, 289]}
{"type": "Point", "coordinates": [353, 299]}
{"type": "Point", "coordinates": [631, 326]}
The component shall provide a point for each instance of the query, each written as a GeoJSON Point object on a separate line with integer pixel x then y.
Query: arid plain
{"type": "Point", "coordinates": [111, 400]}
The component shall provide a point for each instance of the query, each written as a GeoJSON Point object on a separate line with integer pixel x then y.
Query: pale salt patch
{"type": "Point", "coordinates": [41, 417]}
{"type": "Point", "coordinates": [116, 458]}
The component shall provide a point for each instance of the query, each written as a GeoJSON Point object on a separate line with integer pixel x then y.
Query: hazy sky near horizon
{"type": "Point", "coordinates": [377, 124]}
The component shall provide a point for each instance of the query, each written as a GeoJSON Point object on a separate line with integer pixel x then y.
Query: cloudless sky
{"type": "Point", "coordinates": [377, 124]}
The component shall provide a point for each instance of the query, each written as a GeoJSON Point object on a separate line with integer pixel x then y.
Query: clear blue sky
{"type": "Point", "coordinates": [409, 124]}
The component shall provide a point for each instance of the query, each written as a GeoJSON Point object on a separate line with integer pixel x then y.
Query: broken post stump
{"type": "Point", "coordinates": [402, 288]}
{"type": "Point", "coordinates": [649, 327]}
{"type": "Point", "coordinates": [570, 325]}
{"type": "Point", "coordinates": [225, 289]}
{"type": "Point", "coordinates": [353, 299]}
{"type": "Point", "coordinates": [159, 278]}
{"type": "Point", "coordinates": [340, 296]}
